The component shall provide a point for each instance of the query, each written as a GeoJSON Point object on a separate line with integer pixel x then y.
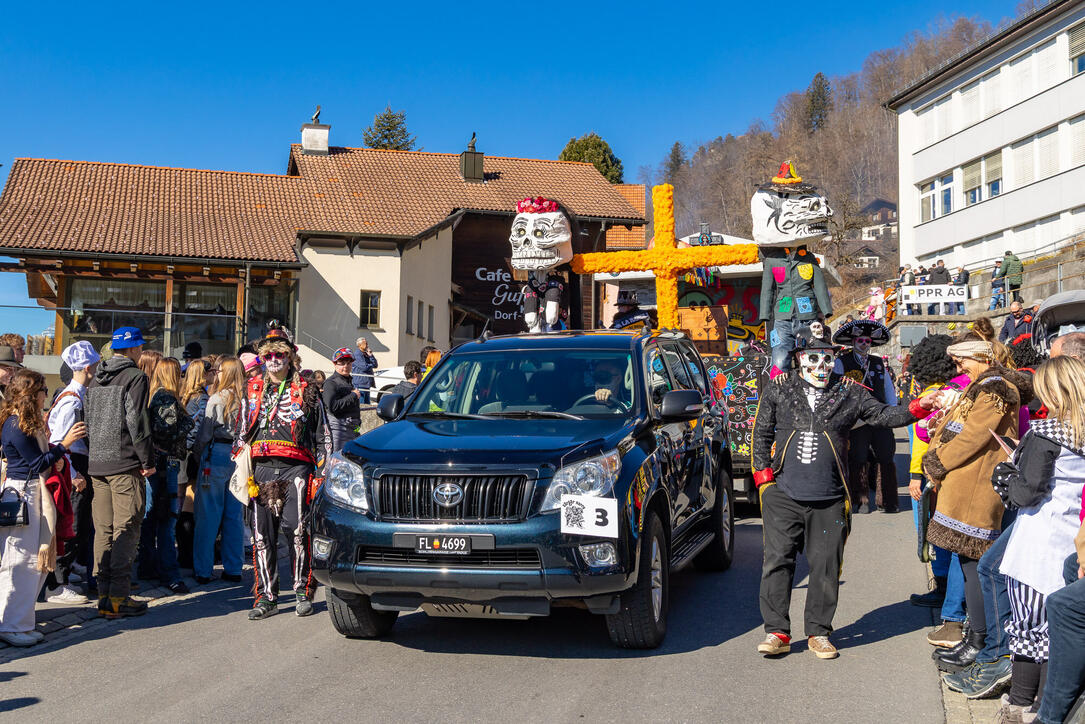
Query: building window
{"type": "Point", "coordinates": [1077, 49]}
{"type": "Point", "coordinates": [420, 330]}
{"type": "Point", "coordinates": [992, 94]}
{"type": "Point", "coordinates": [936, 197]}
{"type": "Point", "coordinates": [369, 309]}
{"type": "Point", "coordinates": [410, 314]}
{"type": "Point", "coordinates": [946, 184]}
{"type": "Point", "coordinates": [1047, 153]}
{"type": "Point", "coordinates": [431, 315]}
{"type": "Point", "coordinates": [1024, 163]}
{"type": "Point", "coordinates": [926, 201]}
{"type": "Point", "coordinates": [992, 173]}
{"type": "Point", "coordinates": [972, 180]}
{"type": "Point", "coordinates": [1077, 140]}
{"type": "Point", "coordinates": [970, 104]}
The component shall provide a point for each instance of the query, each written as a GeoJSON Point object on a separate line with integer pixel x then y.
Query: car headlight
{"type": "Point", "coordinates": [591, 476]}
{"type": "Point", "coordinates": [345, 483]}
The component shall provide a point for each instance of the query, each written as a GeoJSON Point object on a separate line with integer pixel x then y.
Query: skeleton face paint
{"type": "Point", "coordinates": [785, 218]}
{"type": "Point", "coordinates": [540, 240]}
{"type": "Point", "coordinates": [276, 365]}
{"type": "Point", "coordinates": [814, 367]}
{"type": "Point", "coordinates": [862, 345]}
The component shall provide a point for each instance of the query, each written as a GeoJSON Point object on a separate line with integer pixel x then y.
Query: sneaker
{"type": "Point", "coordinates": [304, 606]}
{"type": "Point", "coordinates": [178, 588]}
{"type": "Point", "coordinates": [946, 636]}
{"type": "Point", "coordinates": [774, 645]}
{"type": "Point", "coordinates": [931, 599]}
{"type": "Point", "coordinates": [262, 609]}
{"type": "Point", "coordinates": [985, 678]}
{"type": "Point", "coordinates": [1009, 713]}
{"type": "Point", "coordinates": [19, 638]}
{"type": "Point", "coordinates": [65, 594]}
{"type": "Point", "coordinates": [38, 635]}
{"type": "Point", "coordinates": [822, 647]}
{"type": "Point", "coordinates": [119, 607]}
{"type": "Point", "coordinates": [232, 577]}
{"type": "Point", "coordinates": [203, 580]}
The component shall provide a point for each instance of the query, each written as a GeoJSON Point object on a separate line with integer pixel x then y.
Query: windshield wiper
{"type": "Point", "coordinates": [538, 413]}
{"type": "Point", "coordinates": [449, 415]}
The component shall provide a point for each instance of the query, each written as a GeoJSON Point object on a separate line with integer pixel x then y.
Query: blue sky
{"type": "Point", "coordinates": [218, 85]}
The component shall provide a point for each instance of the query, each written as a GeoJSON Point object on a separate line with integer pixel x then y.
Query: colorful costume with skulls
{"type": "Point", "coordinates": [787, 215]}
{"type": "Point", "coordinates": [541, 241]}
{"type": "Point", "coordinates": [285, 425]}
{"type": "Point", "coordinates": [872, 449]}
{"type": "Point", "coordinates": [800, 439]}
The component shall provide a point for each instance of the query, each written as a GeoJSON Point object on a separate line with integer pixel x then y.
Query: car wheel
{"type": "Point", "coordinates": [641, 623]}
{"type": "Point", "coordinates": [717, 556]}
{"type": "Point", "coordinates": [355, 618]}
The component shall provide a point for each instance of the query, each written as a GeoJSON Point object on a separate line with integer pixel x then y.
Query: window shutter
{"type": "Point", "coordinates": [972, 175]}
{"type": "Point", "coordinates": [994, 166]}
{"type": "Point", "coordinates": [1047, 66]}
{"type": "Point", "coordinates": [942, 111]}
{"type": "Point", "coordinates": [1021, 78]}
{"type": "Point", "coordinates": [970, 104]}
{"type": "Point", "coordinates": [926, 125]}
{"type": "Point", "coordinates": [1023, 171]}
{"type": "Point", "coordinates": [1077, 140]}
{"type": "Point", "coordinates": [1077, 40]}
{"type": "Point", "coordinates": [992, 94]}
{"type": "Point", "coordinates": [1047, 152]}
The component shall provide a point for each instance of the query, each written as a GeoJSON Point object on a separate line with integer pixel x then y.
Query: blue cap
{"type": "Point", "coordinates": [125, 337]}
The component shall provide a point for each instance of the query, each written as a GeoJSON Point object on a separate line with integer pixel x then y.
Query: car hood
{"type": "Point", "coordinates": [499, 442]}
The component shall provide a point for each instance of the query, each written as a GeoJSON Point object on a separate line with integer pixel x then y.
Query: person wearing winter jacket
{"type": "Point", "coordinates": [341, 401]}
{"type": "Point", "coordinates": [362, 369]}
{"type": "Point", "coordinates": [1045, 485]}
{"type": "Point", "coordinates": [198, 378]}
{"type": "Point", "coordinates": [170, 428]}
{"type": "Point", "coordinates": [121, 455]}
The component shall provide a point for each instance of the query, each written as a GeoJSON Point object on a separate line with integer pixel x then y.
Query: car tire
{"type": "Point", "coordinates": [717, 556]}
{"type": "Point", "coordinates": [355, 618]}
{"type": "Point", "coordinates": [641, 623]}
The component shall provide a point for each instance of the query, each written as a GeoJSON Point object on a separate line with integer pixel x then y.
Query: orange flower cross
{"type": "Point", "coordinates": [665, 259]}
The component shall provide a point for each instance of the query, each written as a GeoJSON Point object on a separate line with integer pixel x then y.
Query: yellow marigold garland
{"type": "Point", "coordinates": [664, 259]}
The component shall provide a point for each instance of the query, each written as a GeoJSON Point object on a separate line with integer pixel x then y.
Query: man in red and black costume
{"type": "Point", "coordinates": [800, 439]}
{"type": "Point", "coordinates": [283, 420]}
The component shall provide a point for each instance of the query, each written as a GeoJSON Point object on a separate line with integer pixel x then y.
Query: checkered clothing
{"type": "Point", "coordinates": [1027, 627]}
{"type": "Point", "coordinates": [1056, 431]}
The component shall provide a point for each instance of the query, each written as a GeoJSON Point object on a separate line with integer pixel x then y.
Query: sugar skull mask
{"type": "Point", "coordinates": [541, 237]}
{"type": "Point", "coordinates": [817, 329]}
{"type": "Point", "coordinates": [788, 212]}
{"type": "Point", "coordinates": [815, 367]}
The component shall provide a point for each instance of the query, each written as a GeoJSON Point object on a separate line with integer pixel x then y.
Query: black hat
{"type": "Point", "coordinates": [626, 296]}
{"type": "Point", "coordinates": [193, 350]}
{"type": "Point", "coordinates": [805, 341]}
{"type": "Point", "coordinates": [276, 332]}
{"type": "Point", "coordinates": [878, 332]}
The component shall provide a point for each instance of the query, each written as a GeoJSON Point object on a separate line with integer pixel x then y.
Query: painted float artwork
{"type": "Point", "coordinates": [740, 296]}
{"type": "Point", "coordinates": [736, 381]}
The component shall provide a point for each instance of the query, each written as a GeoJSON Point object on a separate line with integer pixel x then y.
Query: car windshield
{"type": "Point", "coordinates": [525, 384]}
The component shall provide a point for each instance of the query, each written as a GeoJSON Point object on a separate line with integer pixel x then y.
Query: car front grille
{"type": "Point", "coordinates": [486, 498]}
{"type": "Point", "coordinates": [503, 558]}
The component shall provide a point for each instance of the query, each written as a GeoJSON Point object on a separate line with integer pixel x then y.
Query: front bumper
{"type": "Point", "coordinates": [560, 574]}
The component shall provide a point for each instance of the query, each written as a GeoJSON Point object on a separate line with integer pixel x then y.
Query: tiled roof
{"type": "Point", "coordinates": [620, 237]}
{"type": "Point", "coordinates": [89, 207]}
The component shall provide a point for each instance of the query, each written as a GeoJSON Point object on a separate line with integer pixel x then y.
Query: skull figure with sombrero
{"type": "Point", "coordinates": [859, 329]}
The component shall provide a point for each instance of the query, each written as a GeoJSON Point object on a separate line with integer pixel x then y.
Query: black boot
{"type": "Point", "coordinates": [956, 659]}
{"type": "Point", "coordinates": [966, 636]}
{"type": "Point", "coordinates": [931, 599]}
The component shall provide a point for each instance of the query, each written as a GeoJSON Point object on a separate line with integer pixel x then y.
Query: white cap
{"type": "Point", "coordinates": [80, 355]}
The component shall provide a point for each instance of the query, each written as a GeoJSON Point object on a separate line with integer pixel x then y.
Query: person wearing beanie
{"type": "Point", "coordinates": [251, 362]}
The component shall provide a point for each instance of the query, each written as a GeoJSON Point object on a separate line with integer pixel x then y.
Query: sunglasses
{"type": "Point", "coordinates": [863, 340]}
{"type": "Point", "coordinates": [274, 355]}
{"type": "Point", "coordinates": [815, 357]}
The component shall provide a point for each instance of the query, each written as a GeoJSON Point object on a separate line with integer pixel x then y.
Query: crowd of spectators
{"type": "Point", "coordinates": [1006, 276]}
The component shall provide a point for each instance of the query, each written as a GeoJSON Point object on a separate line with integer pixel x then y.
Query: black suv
{"type": "Point", "coordinates": [531, 471]}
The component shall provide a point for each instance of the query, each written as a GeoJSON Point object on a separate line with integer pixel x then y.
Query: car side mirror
{"type": "Point", "coordinates": [389, 407]}
{"type": "Point", "coordinates": [679, 405]}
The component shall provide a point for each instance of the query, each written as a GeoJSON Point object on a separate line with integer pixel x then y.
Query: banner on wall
{"type": "Point", "coordinates": [934, 293]}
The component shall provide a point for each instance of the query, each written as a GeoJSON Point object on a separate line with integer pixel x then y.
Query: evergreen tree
{"type": "Point", "coordinates": [819, 103]}
{"type": "Point", "coordinates": [389, 131]}
{"type": "Point", "coordinates": [674, 163]}
{"type": "Point", "coordinates": [591, 148]}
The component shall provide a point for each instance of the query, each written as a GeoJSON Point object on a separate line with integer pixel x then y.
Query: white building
{"type": "Point", "coordinates": [992, 145]}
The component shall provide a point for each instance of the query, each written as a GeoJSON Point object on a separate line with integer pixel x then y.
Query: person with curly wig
{"type": "Point", "coordinates": [284, 422]}
{"type": "Point", "coordinates": [28, 551]}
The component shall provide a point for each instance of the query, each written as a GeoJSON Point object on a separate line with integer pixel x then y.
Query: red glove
{"type": "Point", "coordinates": [917, 410]}
{"type": "Point", "coordinates": [760, 477]}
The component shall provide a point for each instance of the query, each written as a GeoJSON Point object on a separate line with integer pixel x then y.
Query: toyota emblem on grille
{"type": "Point", "coordinates": [448, 495]}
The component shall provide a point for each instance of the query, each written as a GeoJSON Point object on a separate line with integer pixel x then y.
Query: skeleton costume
{"type": "Point", "coordinates": [799, 439]}
{"type": "Point", "coordinates": [541, 241]}
{"type": "Point", "coordinates": [870, 371]}
{"type": "Point", "coordinates": [287, 429]}
{"type": "Point", "coordinates": [787, 215]}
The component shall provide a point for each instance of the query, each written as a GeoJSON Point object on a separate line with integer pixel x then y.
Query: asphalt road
{"type": "Point", "coordinates": [200, 659]}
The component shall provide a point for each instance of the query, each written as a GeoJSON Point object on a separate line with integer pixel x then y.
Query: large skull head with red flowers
{"type": "Point", "coordinates": [541, 237]}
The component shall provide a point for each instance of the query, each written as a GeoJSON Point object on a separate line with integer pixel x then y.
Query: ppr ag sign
{"type": "Point", "coordinates": [934, 293]}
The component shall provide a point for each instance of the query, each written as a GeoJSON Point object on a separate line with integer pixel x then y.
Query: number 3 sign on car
{"type": "Point", "coordinates": [589, 515]}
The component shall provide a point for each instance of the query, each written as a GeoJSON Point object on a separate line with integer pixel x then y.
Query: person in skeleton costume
{"type": "Point", "coordinates": [787, 215]}
{"type": "Point", "coordinates": [800, 433]}
{"type": "Point", "coordinates": [630, 315]}
{"type": "Point", "coordinates": [541, 241]}
{"type": "Point", "coordinates": [283, 420]}
{"type": "Point", "coordinates": [870, 371]}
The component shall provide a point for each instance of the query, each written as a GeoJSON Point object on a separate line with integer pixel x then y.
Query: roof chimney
{"type": "Point", "coordinates": [314, 136]}
{"type": "Point", "coordinates": [471, 163]}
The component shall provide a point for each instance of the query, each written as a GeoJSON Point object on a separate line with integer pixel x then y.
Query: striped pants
{"type": "Point", "coordinates": [1027, 627]}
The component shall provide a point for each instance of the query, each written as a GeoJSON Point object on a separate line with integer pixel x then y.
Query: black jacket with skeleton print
{"type": "Point", "coordinates": [806, 448]}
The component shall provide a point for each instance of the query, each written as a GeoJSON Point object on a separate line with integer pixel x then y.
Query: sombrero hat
{"type": "Point", "coordinates": [878, 332]}
{"type": "Point", "coordinates": [787, 181]}
{"type": "Point", "coordinates": [805, 341]}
